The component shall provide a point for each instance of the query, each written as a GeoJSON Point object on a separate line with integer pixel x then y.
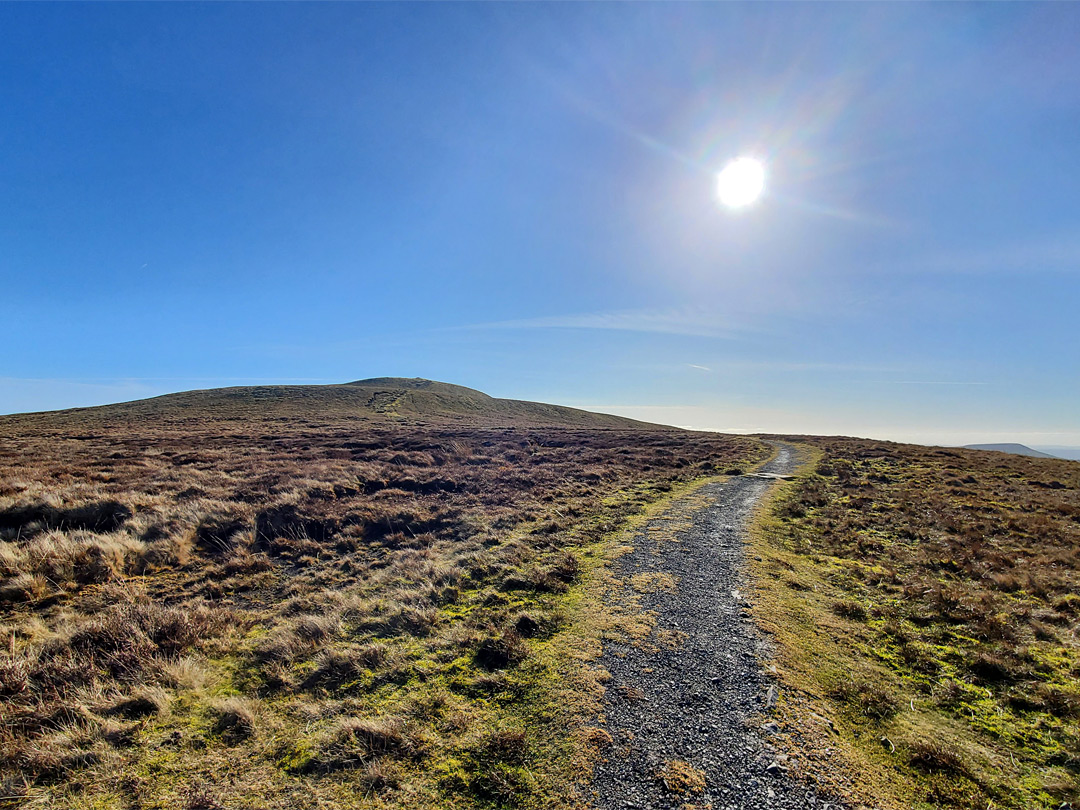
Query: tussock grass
{"type": "Point", "coordinates": [680, 777]}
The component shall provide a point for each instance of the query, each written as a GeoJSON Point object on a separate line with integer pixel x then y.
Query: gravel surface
{"type": "Point", "coordinates": [696, 692]}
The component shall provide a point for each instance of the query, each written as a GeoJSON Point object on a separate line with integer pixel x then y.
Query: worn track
{"type": "Point", "coordinates": [695, 692]}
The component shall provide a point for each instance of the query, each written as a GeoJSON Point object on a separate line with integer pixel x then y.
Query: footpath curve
{"type": "Point", "coordinates": [685, 708]}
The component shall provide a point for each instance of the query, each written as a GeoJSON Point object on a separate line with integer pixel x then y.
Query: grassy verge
{"type": "Point", "coordinates": [922, 603]}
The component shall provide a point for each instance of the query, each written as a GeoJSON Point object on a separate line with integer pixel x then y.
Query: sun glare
{"type": "Point", "coordinates": [741, 182]}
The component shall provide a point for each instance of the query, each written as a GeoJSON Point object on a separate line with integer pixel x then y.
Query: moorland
{"type": "Point", "coordinates": [393, 593]}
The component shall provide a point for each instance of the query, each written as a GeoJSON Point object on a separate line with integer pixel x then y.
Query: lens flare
{"type": "Point", "coordinates": [741, 182]}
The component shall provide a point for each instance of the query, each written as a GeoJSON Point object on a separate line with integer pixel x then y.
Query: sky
{"type": "Point", "coordinates": [521, 198]}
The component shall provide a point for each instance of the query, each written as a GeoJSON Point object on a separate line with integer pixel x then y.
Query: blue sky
{"type": "Point", "coordinates": [521, 198]}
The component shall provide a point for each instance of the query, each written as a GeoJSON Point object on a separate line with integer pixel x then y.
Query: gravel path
{"type": "Point", "coordinates": [695, 695]}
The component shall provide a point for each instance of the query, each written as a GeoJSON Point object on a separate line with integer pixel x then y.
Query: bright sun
{"type": "Point", "coordinates": [741, 182]}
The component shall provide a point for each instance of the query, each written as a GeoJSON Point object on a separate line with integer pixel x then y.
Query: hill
{"type": "Point", "coordinates": [383, 400]}
{"type": "Point", "coordinates": [1061, 451]}
{"type": "Point", "coordinates": [1009, 447]}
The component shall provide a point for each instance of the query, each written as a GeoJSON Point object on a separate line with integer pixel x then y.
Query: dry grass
{"type": "Point", "coordinates": [681, 777]}
{"type": "Point", "coordinates": [251, 607]}
{"type": "Point", "coordinates": [925, 600]}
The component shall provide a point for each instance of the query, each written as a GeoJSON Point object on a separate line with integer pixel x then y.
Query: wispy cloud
{"type": "Point", "coordinates": [693, 322]}
{"type": "Point", "coordinates": [931, 382]}
{"type": "Point", "coordinates": [779, 365]}
{"type": "Point", "coordinates": [750, 365]}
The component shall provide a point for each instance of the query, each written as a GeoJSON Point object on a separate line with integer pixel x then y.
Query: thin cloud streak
{"type": "Point", "coordinates": [771, 365]}
{"type": "Point", "coordinates": [929, 382]}
{"type": "Point", "coordinates": [673, 322]}
{"type": "Point", "coordinates": [781, 365]}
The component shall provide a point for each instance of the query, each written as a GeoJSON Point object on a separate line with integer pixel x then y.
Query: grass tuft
{"type": "Point", "coordinates": [680, 777]}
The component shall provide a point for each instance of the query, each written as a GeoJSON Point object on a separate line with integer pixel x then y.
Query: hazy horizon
{"type": "Point", "coordinates": [523, 199]}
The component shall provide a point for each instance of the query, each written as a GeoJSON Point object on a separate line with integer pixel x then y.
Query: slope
{"type": "Point", "coordinates": [378, 400]}
{"type": "Point", "coordinates": [1010, 447]}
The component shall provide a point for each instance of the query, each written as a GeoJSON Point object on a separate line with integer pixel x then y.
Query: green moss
{"type": "Point", "coordinates": [298, 757]}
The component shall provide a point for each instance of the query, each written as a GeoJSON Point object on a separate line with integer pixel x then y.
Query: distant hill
{"type": "Point", "coordinates": [378, 400]}
{"type": "Point", "coordinates": [1014, 449]}
{"type": "Point", "coordinates": [1061, 451]}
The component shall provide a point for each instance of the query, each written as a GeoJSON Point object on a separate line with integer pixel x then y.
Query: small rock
{"type": "Point", "coordinates": [772, 727]}
{"type": "Point", "coordinates": [774, 769]}
{"type": "Point", "coordinates": [771, 696]}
